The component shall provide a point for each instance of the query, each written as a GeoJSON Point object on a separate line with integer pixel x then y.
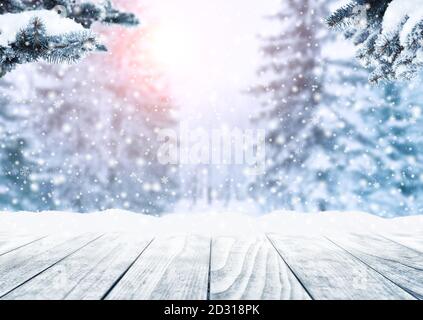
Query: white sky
{"type": "Point", "coordinates": [214, 55]}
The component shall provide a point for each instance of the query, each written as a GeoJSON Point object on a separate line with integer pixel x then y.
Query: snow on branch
{"type": "Point", "coordinates": [52, 30]}
{"type": "Point", "coordinates": [388, 34]}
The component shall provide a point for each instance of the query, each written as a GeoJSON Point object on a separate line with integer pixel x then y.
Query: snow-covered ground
{"type": "Point", "coordinates": [214, 224]}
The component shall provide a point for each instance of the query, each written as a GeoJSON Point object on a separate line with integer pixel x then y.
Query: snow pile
{"type": "Point", "coordinates": [11, 24]}
{"type": "Point", "coordinates": [208, 224]}
{"type": "Point", "coordinates": [397, 12]}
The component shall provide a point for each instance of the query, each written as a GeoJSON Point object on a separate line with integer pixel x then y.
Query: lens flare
{"type": "Point", "coordinates": [173, 46]}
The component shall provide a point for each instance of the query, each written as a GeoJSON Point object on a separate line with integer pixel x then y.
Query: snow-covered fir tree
{"type": "Point", "coordinates": [23, 183]}
{"type": "Point", "coordinates": [388, 33]}
{"type": "Point", "coordinates": [52, 30]}
{"type": "Point", "coordinates": [390, 171]}
{"type": "Point", "coordinates": [291, 90]}
{"type": "Point", "coordinates": [369, 160]}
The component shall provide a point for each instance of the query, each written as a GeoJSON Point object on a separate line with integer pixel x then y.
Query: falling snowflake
{"type": "Point", "coordinates": [165, 180]}
{"type": "Point", "coordinates": [58, 104]}
{"type": "Point", "coordinates": [24, 172]}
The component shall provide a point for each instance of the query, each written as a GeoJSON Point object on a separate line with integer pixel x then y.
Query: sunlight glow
{"type": "Point", "coordinates": [173, 46]}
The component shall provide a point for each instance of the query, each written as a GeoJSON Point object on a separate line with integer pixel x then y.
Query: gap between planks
{"type": "Point", "coordinates": [329, 272]}
{"type": "Point", "coordinates": [22, 245]}
{"type": "Point", "coordinates": [104, 297]}
{"type": "Point", "coordinates": [249, 268]}
{"type": "Point", "coordinates": [290, 269]}
{"type": "Point", "coordinates": [209, 272]}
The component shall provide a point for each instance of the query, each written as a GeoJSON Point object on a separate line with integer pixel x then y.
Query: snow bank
{"type": "Point", "coordinates": [11, 24]}
{"type": "Point", "coordinates": [395, 14]}
{"type": "Point", "coordinates": [211, 224]}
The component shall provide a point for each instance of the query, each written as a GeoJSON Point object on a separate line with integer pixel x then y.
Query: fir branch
{"type": "Point", "coordinates": [383, 50]}
{"type": "Point", "coordinates": [34, 43]}
{"type": "Point", "coordinates": [85, 13]}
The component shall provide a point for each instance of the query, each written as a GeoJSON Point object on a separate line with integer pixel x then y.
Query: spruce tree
{"type": "Point", "coordinates": [291, 91]}
{"type": "Point", "coordinates": [388, 34]}
{"type": "Point", "coordinates": [23, 183]}
{"type": "Point", "coordinates": [391, 183]}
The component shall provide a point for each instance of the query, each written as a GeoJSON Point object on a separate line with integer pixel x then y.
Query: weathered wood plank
{"type": "Point", "coordinates": [20, 266]}
{"type": "Point", "coordinates": [400, 264]}
{"type": "Point", "coordinates": [101, 278]}
{"type": "Point", "coordinates": [174, 268]}
{"type": "Point", "coordinates": [251, 269]}
{"type": "Point", "coordinates": [329, 272]}
{"type": "Point", "coordinates": [87, 274]}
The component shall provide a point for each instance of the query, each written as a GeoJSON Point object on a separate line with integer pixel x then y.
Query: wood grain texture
{"type": "Point", "coordinates": [174, 268]}
{"type": "Point", "coordinates": [87, 274]}
{"type": "Point", "coordinates": [329, 272]}
{"type": "Point", "coordinates": [251, 269]}
{"type": "Point", "coordinates": [109, 270]}
{"type": "Point", "coordinates": [123, 266]}
{"type": "Point", "coordinates": [396, 262]}
{"type": "Point", "coordinates": [22, 265]}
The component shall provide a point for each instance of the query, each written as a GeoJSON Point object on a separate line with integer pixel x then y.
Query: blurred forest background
{"type": "Point", "coordinates": [83, 137]}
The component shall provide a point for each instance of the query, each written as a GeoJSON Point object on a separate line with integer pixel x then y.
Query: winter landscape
{"type": "Point", "coordinates": [211, 150]}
